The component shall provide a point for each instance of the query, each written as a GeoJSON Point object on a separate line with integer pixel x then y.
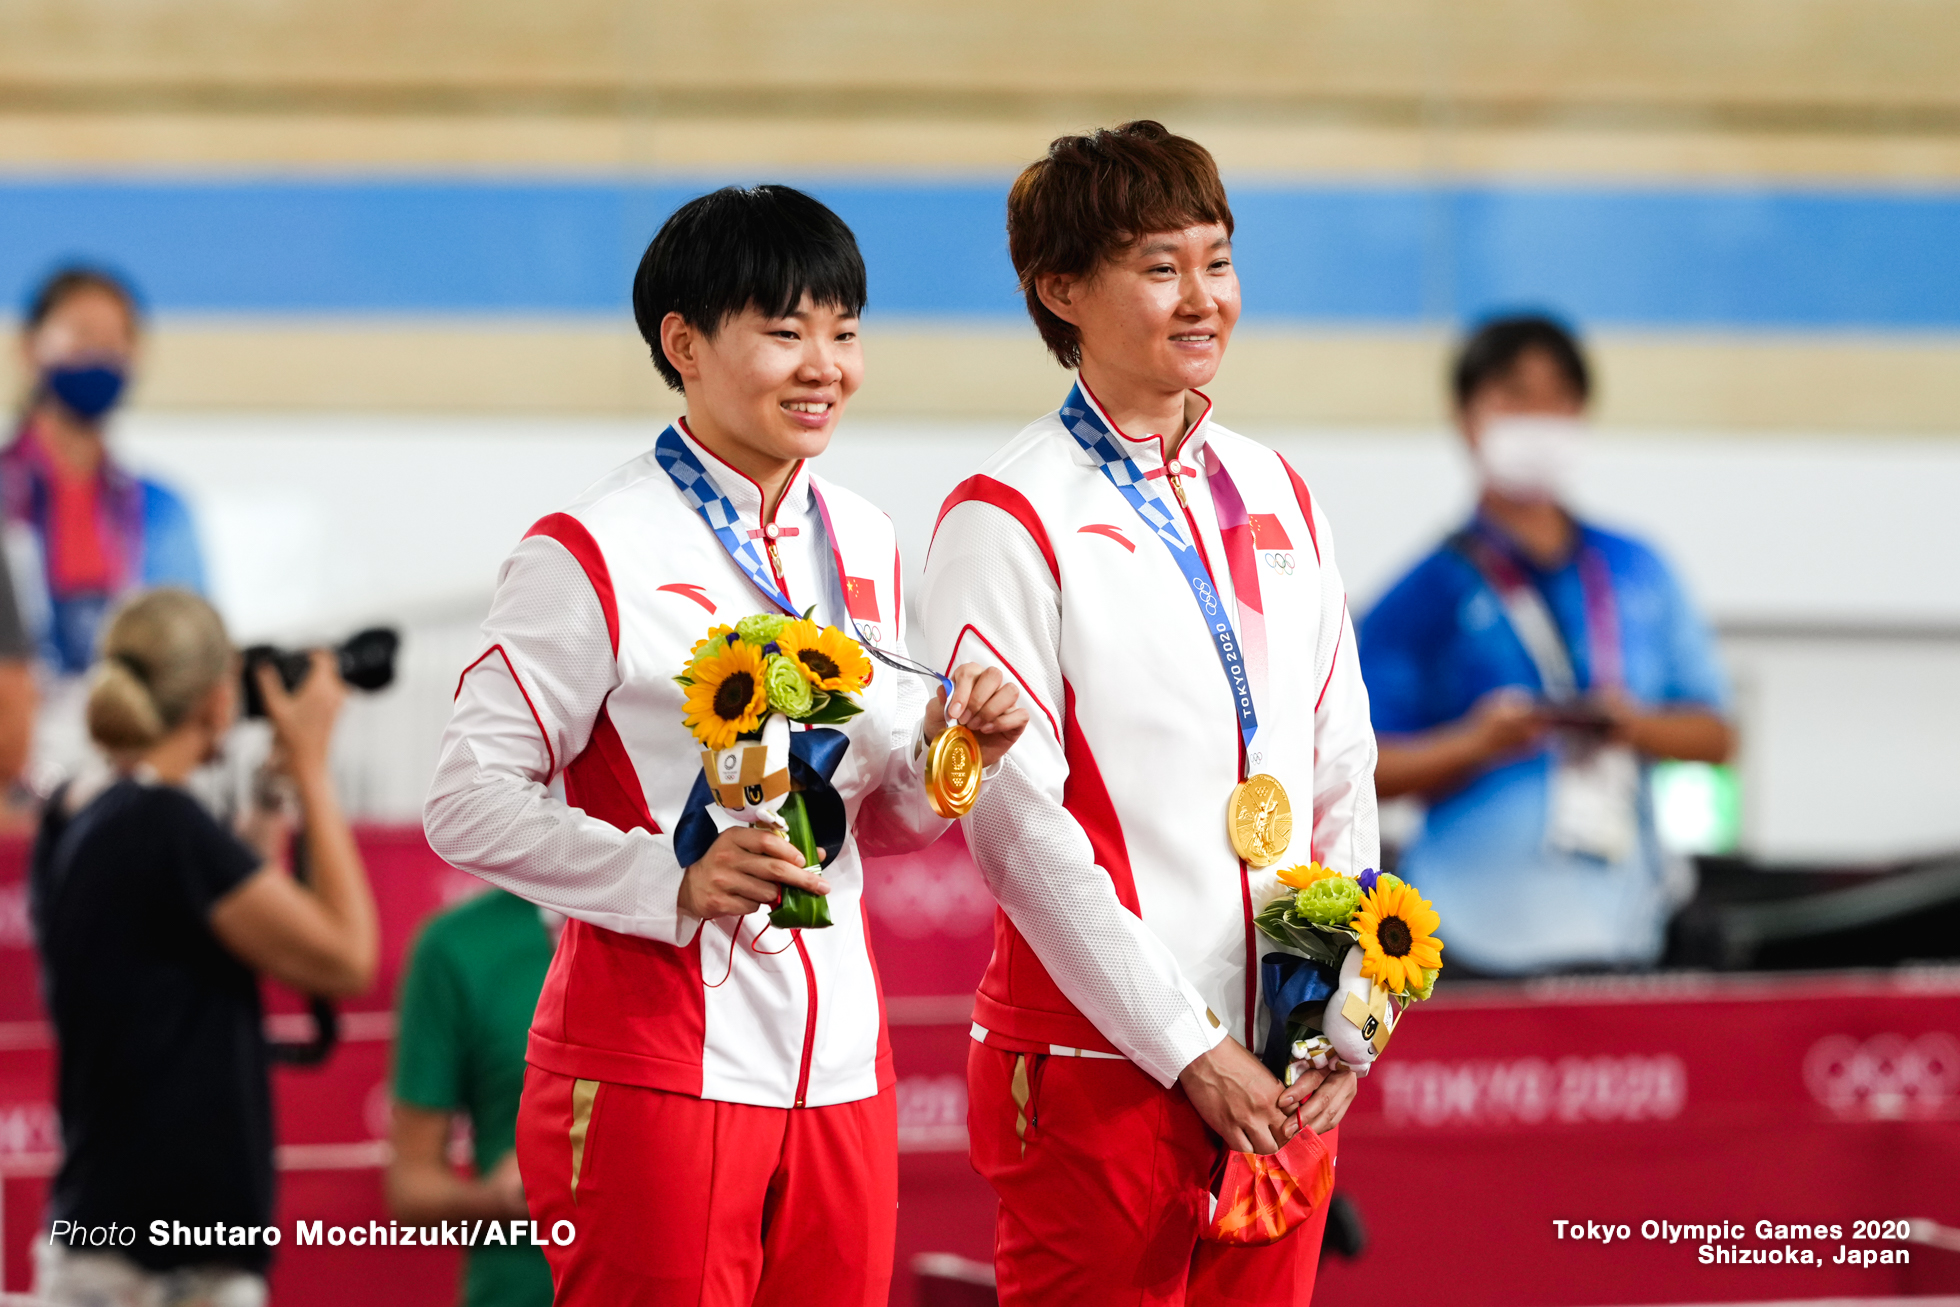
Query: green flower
{"type": "Point", "coordinates": [706, 647]}
{"type": "Point", "coordinates": [760, 629]}
{"type": "Point", "coordinates": [1329, 901]}
{"type": "Point", "coordinates": [788, 691]}
{"type": "Point", "coordinates": [1428, 985]}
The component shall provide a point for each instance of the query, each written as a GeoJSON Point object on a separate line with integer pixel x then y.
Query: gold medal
{"type": "Point", "coordinates": [953, 772]}
{"type": "Point", "coordinates": [1259, 818]}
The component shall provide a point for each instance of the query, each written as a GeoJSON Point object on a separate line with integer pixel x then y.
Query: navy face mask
{"type": "Point", "coordinates": [87, 390]}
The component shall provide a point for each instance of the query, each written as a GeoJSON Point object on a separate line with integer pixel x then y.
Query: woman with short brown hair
{"type": "Point", "coordinates": [1113, 559]}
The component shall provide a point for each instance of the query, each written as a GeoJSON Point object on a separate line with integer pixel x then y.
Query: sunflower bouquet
{"type": "Point", "coordinates": [1366, 943]}
{"type": "Point", "coordinates": [745, 684]}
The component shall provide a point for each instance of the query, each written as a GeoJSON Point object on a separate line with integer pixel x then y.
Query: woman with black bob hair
{"type": "Point", "coordinates": [154, 924]}
{"type": "Point", "coordinates": [710, 1103]}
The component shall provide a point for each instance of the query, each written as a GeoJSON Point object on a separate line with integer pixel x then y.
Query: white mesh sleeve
{"type": "Point", "coordinates": [989, 597]}
{"type": "Point", "coordinates": [1346, 825]}
{"type": "Point", "coordinates": [523, 710]}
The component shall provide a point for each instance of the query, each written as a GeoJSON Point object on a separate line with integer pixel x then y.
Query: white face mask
{"type": "Point", "coordinates": [1530, 457]}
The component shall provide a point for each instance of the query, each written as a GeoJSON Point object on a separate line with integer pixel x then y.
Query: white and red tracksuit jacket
{"type": "Point", "coordinates": [1127, 918]}
{"type": "Point", "coordinates": [595, 613]}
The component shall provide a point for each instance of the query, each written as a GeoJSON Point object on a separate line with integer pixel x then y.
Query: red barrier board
{"type": "Point", "coordinates": [1503, 1111]}
{"type": "Point", "coordinates": [1498, 1111]}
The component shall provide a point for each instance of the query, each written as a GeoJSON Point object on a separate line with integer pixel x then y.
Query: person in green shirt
{"type": "Point", "coordinates": [466, 1007]}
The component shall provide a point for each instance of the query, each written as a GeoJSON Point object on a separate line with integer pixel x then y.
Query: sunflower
{"type": "Point", "coordinates": [727, 697]}
{"type": "Point", "coordinates": [1303, 876]}
{"type": "Point", "coordinates": [1396, 926]}
{"type": "Point", "coordinates": [717, 635]}
{"type": "Point", "coordinates": [829, 658]}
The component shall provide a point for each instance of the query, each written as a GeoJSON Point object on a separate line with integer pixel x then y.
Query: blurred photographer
{"type": "Point", "coordinates": [155, 924]}
{"type": "Point", "coordinates": [1524, 676]}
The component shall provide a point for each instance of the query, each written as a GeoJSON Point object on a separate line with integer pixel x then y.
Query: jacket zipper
{"type": "Point", "coordinates": [767, 517]}
{"type": "Point", "coordinates": [809, 971]}
{"type": "Point", "coordinates": [809, 1021]}
{"type": "Point", "coordinates": [776, 566]}
{"type": "Point", "coordinates": [1245, 882]}
{"type": "Point", "coordinates": [802, 953]}
{"type": "Point", "coordinates": [1197, 536]}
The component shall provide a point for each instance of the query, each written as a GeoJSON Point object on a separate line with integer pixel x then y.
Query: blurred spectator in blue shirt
{"type": "Point", "coordinates": [1524, 676]}
{"type": "Point", "coordinates": [82, 531]}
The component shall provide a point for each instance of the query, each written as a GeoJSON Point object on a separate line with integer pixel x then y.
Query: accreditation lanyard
{"type": "Point", "coordinates": [697, 487]}
{"type": "Point", "coordinates": [1532, 621]}
{"type": "Point", "coordinates": [1086, 424]}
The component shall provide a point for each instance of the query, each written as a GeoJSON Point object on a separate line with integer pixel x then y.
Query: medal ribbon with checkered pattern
{"type": "Point", "coordinates": [1086, 424]}
{"type": "Point", "coordinates": [698, 488]}
{"type": "Point", "coordinates": [705, 497]}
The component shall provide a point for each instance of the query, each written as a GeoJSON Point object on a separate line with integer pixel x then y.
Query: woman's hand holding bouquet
{"type": "Point", "coordinates": [745, 684]}
{"type": "Point", "coordinates": [1364, 949]}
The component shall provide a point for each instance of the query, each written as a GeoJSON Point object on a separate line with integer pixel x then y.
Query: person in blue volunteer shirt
{"type": "Point", "coordinates": [1524, 676]}
{"type": "Point", "coordinates": [84, 530]}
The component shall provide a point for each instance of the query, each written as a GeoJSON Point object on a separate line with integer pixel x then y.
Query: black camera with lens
{"type": "Point", "coordinates": [366, 661]}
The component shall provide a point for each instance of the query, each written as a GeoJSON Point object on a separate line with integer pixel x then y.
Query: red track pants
{"type": "Point", "coordinates": [681, 1200]}
{"type": "Point", "coordinates": [1102, 1176]}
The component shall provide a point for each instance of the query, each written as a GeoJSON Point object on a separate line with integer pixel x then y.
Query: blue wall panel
{"type": "Point", "coordinates": [1728, 258]}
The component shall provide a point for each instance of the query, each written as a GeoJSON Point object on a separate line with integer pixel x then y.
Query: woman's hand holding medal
{"type": "Point", "coordinates": [745, 684]}
{"type": "Point", "coordinates": [986, 703]}
{"type": "Point", "coordinates": [976, 701]}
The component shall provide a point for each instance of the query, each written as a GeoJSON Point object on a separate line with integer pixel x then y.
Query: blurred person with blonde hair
{"type": "Point", "coordinates": [154, 924]}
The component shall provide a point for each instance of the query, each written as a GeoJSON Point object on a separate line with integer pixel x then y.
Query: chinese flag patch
{"type": "Point", "coordinates": [861, 598]}
{"type": "Point", "coordinates": [1267, 533]}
